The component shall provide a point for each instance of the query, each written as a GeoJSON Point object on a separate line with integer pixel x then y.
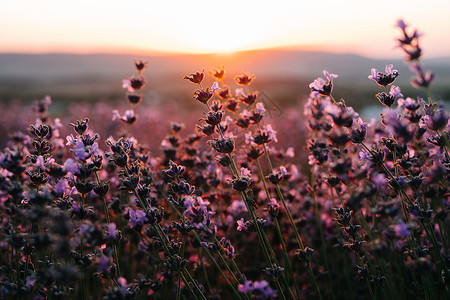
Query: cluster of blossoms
{"type": "Point", "coordinates": [409, 43]}
{"type": "Point", "coordinates": [387, 184]}
{"type": "Point", "coordinates": [224, 211]}
{"type": "Point", "coordinates": [133, 85]}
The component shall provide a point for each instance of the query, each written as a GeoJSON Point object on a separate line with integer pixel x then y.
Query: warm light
{"type": "Point", "coordinates": [203, 26]}
{"type": "Point", "coordinates": [213, 39]}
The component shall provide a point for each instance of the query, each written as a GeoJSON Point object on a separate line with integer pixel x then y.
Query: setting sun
{"type": "Point", "coordinates": [210, 26]}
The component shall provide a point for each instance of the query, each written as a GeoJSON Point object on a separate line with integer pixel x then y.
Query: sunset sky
{"type": "Point", "coordinates": [143, 27]}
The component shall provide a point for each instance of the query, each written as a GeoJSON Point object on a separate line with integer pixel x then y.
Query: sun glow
{"type": "Point", "coordinates": [219, 40]}
{"type": "Point", "coordinates": [205, 26]}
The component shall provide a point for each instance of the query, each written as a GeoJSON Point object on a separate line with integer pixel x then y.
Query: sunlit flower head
{"type": "Point", "coordinates": [218, 73]}
{"type": "Point", "coordinates": [140, 65]}
{"type": "Point", "coordinates": [196, 77]}
{"type": "Point", "coordinates": [384, 79]}
{"type": "Point", "coordinates": [322, 87]}
{"type": "Point", "coordinates": [244, 79]}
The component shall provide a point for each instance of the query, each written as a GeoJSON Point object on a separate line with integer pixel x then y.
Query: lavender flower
{"type": "Point", "coordinates": [321, 87]}
{"type": "Point", "coordinates": [384, 79]}
{"type": "Point", "coordinates": [137, 217]}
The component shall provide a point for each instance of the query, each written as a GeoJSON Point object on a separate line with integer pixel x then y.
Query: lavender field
{"type": "Point", "coordinates": [224, 184]}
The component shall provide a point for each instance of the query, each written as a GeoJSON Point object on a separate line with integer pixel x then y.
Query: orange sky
{"type": "Point", "coordinates": [363, 27]}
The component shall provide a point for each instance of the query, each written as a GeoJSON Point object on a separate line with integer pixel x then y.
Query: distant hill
{"type": "Point", "coordinates": [75, 76]}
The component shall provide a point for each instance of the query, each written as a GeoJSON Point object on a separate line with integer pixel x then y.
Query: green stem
{"type": "Point", "coordinates": [280, 235]}
{"type": "Point", "coordinates": [286, 258]}
{"type": "Point", "coordinates": [179, 277]}
{"type": "Point", "coordinates": [108, 220]}
{"type": "Point", "coordinates": [224, 276]}
{"type": "Point", "coordinates": [294, 227]}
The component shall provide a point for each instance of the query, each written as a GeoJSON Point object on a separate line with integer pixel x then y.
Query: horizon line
{"type": "Point", "coordinates": [168, 53]}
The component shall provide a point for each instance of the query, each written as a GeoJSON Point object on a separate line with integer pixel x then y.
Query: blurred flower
{"type": "Point", "coordinates": [218, 73]}
{"type": "Point", "coordinates": [248, 99]}
{"type": "Point", "coordinates": [137, 217]}
{"type": "Point", "coordinates": [437, 120]}
{"type": "Point", "coordinates": [128, 117]}
{"type": "Point", "coordinates": [407, 39]}
{"type": "Point", "coordinates": [71, 166]}
{"type": "Point", "coordinates": [215, 87]}
{"type": "Point", "coordinates": [203, 95]}
{"type": "Point", "coordinates": [140, 65]}
{"type": "Point", "coordinates": [244, 79]}
{"type": "Point", "coordinates": [241, 224]}
{"type": "Point", "coordinates": [133, 84]}
{"type": "Point", "coordinates": [224, 93]}
{"type": "Point", "coordinates": [196, 77]}
{"type": "Point", "coordinates": [402, 230]}
{"type": "Point", "coordinates": [261, 288]}
{"type": "Point", "coordinates": [421, 80]}
{"type": "Point", "coordinates": [134, 98]}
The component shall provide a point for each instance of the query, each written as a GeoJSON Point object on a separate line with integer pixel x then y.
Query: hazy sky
{"type": "Point", "coordinates": [87, 26]}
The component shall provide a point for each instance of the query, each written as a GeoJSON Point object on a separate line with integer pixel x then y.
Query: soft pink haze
{"type": "Point", "coordinates": [149, 27]}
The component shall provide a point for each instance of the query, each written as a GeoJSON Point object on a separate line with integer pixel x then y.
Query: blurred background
{"type": "Point", "coordinates": [79, 53]}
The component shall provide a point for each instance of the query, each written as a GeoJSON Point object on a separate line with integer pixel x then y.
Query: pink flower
{"type": "Point", "coordinates": [215, 87]}
{"type": "Point", "coordinates": [241, 224]}
{"type": "Point", "coordinates": [290, 152]}
{"type": "Point", "coordinates": [245, 172]}
{"type": "Point", "coordinates": [395, 92]}
{"type": "Point", "coordinates": [260, 108]}
{"type": "Point", "coordinates": [272, 133]}
{"type": "Point", "coordinates": [239, 92]}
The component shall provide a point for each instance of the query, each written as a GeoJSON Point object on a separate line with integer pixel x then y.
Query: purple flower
{"type": "Point", "coordinates": [402, 230]}
{"type": "Point", "coordinates": [245, 172]}
{"type": "Point", "coordinates": [80, 151]}
{"type": "Point", "coordinates": [129, 116]}
{"type": "Point", "coordinates": [384, 79]}
{"type": "Point", "coordinates": [62, 186]}
{"type": "Point", "coordinates": [71, 166]}
{"type": "Point", "coordinates": [241, 224]}
{"type": "Point", "coordinates": [321, 87]}
{"type": "Point", "coordinates": [283, 171]}
{"type": "Point", "coordinates": [215, 87]}
{"type": "Point", "coordinates": [290, 152]}
{"type": "Point", "coordinates": [379, 180]}
{"type": "Point", "coordinates": [133, 84]}
{"type": "Point", "coordinates": [401, 24]}
{"type": "Point", "coordinates": [395, 92]}
{"type": "Point", "coordinates": [437, 120]}
{"type": "Point", "coordinates": [29, 281]}
{"type": "Point", "coordinates": [188, 201]}
{"type": "Point", "coordinates": [401, 131]}
{"type": "Point", "coordinates": [407, 39]}
{"type": "Point", "coordinates": [103, 263]}
{"type": "Point", "coordinates": [260, 108]}
{"type": "Point", "coordinates": [272, 133]}
{"type": "Point", "coordinates": [409, 103]}
{"type": "Point", "coordinates": [137, 217]}
{"type": "Point", "coordinates": [421, 80]}
{"type": "Point", "coordinates": [261, 288]}
{"type": "Point", "coordinates": [112, 231]}
{"type": "Point", "coordinates": [237, 207]}
{"type": "Point", "coordinates": [389, 99]}
{"type": "Point", "coordinates": [246, 287]}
